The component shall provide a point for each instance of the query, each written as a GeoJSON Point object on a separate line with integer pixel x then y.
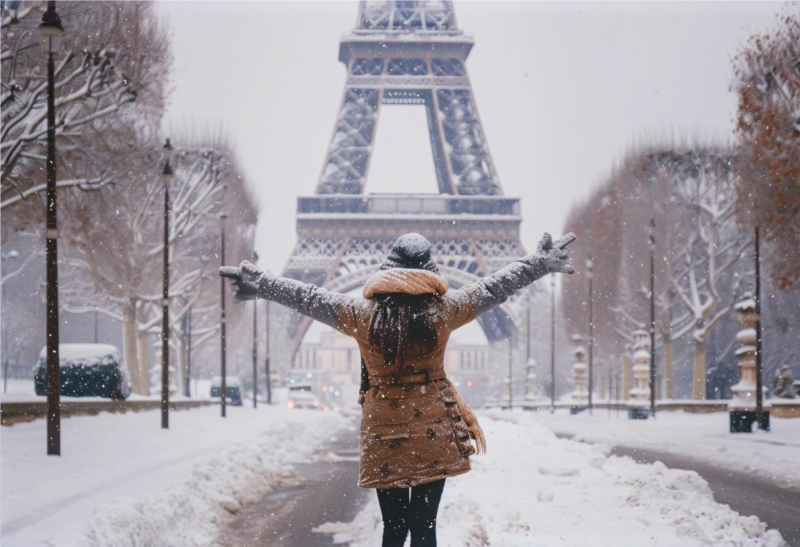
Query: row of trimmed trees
{"type": "Point", "coordinates": [112, 85]}
{"type": "Point", "coordinates": [705, 200]}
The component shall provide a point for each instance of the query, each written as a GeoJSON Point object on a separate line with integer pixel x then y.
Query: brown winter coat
{"type": "Point", "coordinates": [415, 428]}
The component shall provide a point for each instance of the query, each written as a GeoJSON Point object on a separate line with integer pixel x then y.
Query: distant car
{"type": "Point", "coordinates": [87, 370]}
{"type": "Point", "coordinates": [233, 388]}
{"type": "Point", "coordinates": [301, 397]}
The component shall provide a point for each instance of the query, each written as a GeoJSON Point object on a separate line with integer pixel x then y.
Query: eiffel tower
{"type": "Point", "coordinates": [407, 53]}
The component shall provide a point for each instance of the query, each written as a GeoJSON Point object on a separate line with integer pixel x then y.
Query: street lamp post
{"type": "Point", "coordinates": [759, 360]}
{"type": "Point", "coordinates": [552, 344]}
{"type": "Point", "coordinates": [510, 373]}
{"type": "Point", "coordinates": [187, 389]}
{"type": "Point", "coordinates": [652, 244]}
{"type": "Point", "coordinates": [6, 256]}
{"type": "Point", "coordinates": [268, 372]}
{"type": "Point", "coordinates": [51, 30]}
{"type": "Point", "coordinates": [528, 335]}
{"type": "Point", "coordinates": [223, 354]}
{"type": "Point", "coordinates": [590, 275]}
{"type": "Point", "coordinates": [166, 154]}
{"type": "Point", "coordinates": [255, 343]}
{"type": "Point", "coordinates": [609, 382]}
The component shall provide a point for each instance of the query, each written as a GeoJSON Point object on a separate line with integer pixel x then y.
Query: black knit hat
{"type": "Point", "coordinates": [410, 251]}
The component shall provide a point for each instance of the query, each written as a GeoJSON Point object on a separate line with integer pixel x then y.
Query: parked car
{"type": "Point", "coordinates": [233, 388]}
{"type": "Point", "coordinates": [301, 397]}
{"type": "Point", "coordinates": [87, 370]}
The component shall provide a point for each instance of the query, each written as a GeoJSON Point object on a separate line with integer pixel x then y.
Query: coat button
{"type": "Point", "coordinates": [417, 413]}
{"type": "Point", "coordinates": [385, 470]}
{"type": "Point", "coordinates": [431, 433]}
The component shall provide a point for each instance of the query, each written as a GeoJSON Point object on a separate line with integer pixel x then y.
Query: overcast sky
{"type": "Point", "coordinates": [562, 88]}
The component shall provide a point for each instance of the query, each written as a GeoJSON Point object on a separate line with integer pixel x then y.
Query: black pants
{"type": "Point", "coordinates": [415, 511]}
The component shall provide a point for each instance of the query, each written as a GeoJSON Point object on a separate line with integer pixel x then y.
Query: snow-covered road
{"type": "Point", "coordinates": [123, 481]}
{"type": "Point", "coordinates": [534, 489]}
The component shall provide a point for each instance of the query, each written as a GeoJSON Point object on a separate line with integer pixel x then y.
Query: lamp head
{"type": "Point", "coordinates": [166, 151]}
{"type": "Point", "coordinates": [50, 28]}
{"type": "Point", "coordinates": [167, 172]}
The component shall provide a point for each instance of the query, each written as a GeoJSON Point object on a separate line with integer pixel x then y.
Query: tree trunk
{"type": "Point", "coordinates": [180, 362]}
{"type": "Point", "coordinates": [626, 375]}
{"type": "Point", "coordinates": [699, 387]}
{"type": "Point", "coordinates": [602, 390]}
{"type": "Point", "coordinates": [144, 362]}
{"type": "Point", "coordinates": [668, 378]}
{"type": "Point", "coordinates": [143, 350]}
{"type": "Point", "coordinates": [129, 349]}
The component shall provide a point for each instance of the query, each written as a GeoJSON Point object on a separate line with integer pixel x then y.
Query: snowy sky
{"type": "Point", "coordinates": [562, 88]}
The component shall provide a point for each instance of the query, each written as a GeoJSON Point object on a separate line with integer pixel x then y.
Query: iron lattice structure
{"type": "Point", "coordinates": [407, 52]}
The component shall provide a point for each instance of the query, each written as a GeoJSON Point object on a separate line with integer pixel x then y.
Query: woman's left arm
{"type": "Point", "coordinates": [550, 257]}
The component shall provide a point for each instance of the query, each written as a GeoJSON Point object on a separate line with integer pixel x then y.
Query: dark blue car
{"type": "Point", "coordinates": [87, 370]}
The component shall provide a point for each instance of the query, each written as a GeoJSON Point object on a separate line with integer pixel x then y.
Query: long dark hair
{"type": "Point", "coordinates": [401, 326]}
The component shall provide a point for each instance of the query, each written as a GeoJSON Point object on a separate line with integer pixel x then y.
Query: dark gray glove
{"type": "Point", "coordinates": [247, 279]}
{"type": "Point", "coordinates": [551, 256]}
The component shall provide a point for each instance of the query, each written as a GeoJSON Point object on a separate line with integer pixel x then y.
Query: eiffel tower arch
{"type": "Point", "coordinates": [407, 53]}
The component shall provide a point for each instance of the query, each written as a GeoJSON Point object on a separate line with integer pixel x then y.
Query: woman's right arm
{"type": "Point", "coordinates": [249, 283]}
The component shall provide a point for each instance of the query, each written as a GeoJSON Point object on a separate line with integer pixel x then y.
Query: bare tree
{"type": "Point", "coordinates": [99, 76]}
{"type": "Point", "coordinates": [700, 267]}
{"type": "Point", "coordinates": [115, 244]}
{"type": "Point", "coordinates": [689, 191]}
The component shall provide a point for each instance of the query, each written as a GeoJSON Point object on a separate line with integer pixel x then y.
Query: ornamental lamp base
{"type": "Point", "coordinates": [638, 413]}
{"type": "Point", "coordinates": [741, 421]}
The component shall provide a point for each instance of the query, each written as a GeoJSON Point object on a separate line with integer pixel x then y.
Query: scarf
{"type": "Point", "coordinates": [405, 281]}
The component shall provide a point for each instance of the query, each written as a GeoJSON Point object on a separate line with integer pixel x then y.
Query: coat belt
{"type": "Point", "coordinates": [415, 377]}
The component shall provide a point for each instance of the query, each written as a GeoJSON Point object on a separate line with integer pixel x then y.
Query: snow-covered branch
{"type": "Point", "coordinates": [18, 271]}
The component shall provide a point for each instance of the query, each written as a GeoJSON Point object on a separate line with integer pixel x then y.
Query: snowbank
{"type": "Point", "coordinates": [23, 391]}
{"type": "Point", "coordinates": [123, 481]}
{"type": "Point", "coordinates": [533, 489]}
{"type": "Point", "coordinates": [72, 352]}
{"type": "Point", "coordinates": [770, 455]}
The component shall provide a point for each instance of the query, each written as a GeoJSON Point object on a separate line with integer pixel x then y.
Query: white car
{"type": "Point", "coordinates": [301, 397]}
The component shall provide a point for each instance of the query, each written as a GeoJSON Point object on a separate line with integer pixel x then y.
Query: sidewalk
{"type": "Point", "coordinates": [122, 480]}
